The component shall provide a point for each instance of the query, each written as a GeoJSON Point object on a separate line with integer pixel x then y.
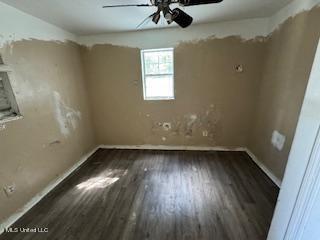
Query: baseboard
{"type": "Point", "coordinates": [266, 170]}
{"type": "Point", "coordinates": [199, 148]}
{"type": "Point", "coordinates": [165, 147]}
{"type": "Point", "coordinates": [19, 213]}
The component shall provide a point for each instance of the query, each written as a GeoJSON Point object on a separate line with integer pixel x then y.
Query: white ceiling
{"type": "Point", "coordinates": [86, 17]}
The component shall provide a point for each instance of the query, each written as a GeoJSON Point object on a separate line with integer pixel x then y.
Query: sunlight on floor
{"type": "Point", "coordinates": [105, 179]}
{"type": "Point", "coordinates": [97, 182]}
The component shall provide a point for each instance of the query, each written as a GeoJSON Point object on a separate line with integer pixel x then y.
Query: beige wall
{"type": "Point", "coordinates": [49, 84]}
{"type": "Point", "coordinates": [210, 95]}
{"type": "Point", "coordinates": [290, 53]}
{"type": "Point", "coordinates": [237, 110]}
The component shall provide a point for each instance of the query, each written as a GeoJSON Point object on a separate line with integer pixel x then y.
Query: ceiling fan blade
{"type": "Point", "coordinates": [128, 5]}
{"type": "Point", "coordinates": [146, 20]}
{"type": "Point", "coordinates": [197, 2]}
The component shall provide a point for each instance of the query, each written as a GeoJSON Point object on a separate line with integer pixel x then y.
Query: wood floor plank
{"type": "Point", "coordinates": [157, 195]}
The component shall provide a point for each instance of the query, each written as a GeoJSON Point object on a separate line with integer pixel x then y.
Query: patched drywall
{"type": "Point", "coordinates": [67, 117]}
{"type": "Point", "coordinates": [55, 130]}
{"type": "Point", "coordinates": [290, 53]}
{"type": "Point", "coordinates": [213, 102]}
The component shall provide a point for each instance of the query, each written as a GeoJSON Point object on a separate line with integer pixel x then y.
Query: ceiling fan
{"type": "Point", "coordinates": [176, 15]}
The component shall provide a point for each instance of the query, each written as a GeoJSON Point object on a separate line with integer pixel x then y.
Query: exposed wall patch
{"type": "Point", "coordinates": [239, 68]}
{"type": "Point", "coordinates": [205, 123]}
{"type": "Point", "coordinates": [166, 126]}
{"type": "Point", "coordinates": [190, 120]}
{"type": "Point", "coordinates": [67, 117]}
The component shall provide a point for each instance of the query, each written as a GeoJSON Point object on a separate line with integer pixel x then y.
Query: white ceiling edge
{"type": "Point", "coordinates": [290, 10]}
{"type": "Point", "coordinates": [16, 25]}
{"type": "Point", "coordinates": [169, 37]}
{"type": "Point", "coordinates": [24, 26]}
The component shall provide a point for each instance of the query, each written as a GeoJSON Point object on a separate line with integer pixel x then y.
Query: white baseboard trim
{"type": "Point", "coordinates": [266, 170]}
{"type": "Point", "coordinates": [19, 213]}
{"type": "Point", "coordinates": [165, 147]}
{"type": "Point", "coordinates": [199, 148]}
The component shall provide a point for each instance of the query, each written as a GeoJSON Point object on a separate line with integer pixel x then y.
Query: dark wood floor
{"type": "Point", "coordinates": [165, 195]}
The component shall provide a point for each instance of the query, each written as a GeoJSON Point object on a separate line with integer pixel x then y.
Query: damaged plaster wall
{"type": "Point", "coordinates": [213, 102]}
{"type": "Point", "coordinates": [290, 53]}
{"type": "Point", "coordinates": [275, 89]}
{"type": "Point", "coordinates": [49, 86]}
{"type": "Point", "coordinates": [55, 131]}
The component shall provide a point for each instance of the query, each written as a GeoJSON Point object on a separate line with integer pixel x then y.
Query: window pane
{"type": "Point", "coordinates": [158, 74]}
{"type": "Point", "coordinates": [159, 86]}
{"type": "Point", "coordinates": [4, 103]}
{"type": "Point", "coordinates": [158, 62]}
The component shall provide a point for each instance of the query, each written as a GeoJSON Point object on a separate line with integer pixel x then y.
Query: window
{"type": "Point", "coordinates": [8, 105]}
{"type": "Point", "coordinates": [157, 74]}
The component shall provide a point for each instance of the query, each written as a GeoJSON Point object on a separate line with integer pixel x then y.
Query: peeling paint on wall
{"type": "Point", "coordinates": [286, 73]}
{"type": "Point", "coordinates": [33, 151]}
{"type": "Point", "coordinates": [213, 103]}
{"type": "Point", "coordinates": [35, 28]}
{"type": "Point", "coordinates": [67, 117]}
{"type": "Point", "coordinates": [189, 121]}
{"type": "Point", "coordinates": [205, 123]}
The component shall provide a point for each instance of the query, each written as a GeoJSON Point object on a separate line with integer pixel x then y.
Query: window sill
{"type": "Point", "coordinates": [159, 99]}
{"type": "Point", "coordinates": [10, 119]}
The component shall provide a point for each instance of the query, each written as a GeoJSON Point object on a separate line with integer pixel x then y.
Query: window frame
{"type": "Point", "coordinates": [10, 94]}
{"type": "Point", "coordinates": [171, 49]}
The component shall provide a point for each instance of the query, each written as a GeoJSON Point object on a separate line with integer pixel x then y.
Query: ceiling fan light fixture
{"type": "Point", "coordinates": [176, 15]}
{"type": "Point", "coordinates": [169, 21]}
{"type": "Point", "coordinates": [181, 18]}
{"type": "Point", "coordinates": [167, 15]}
{"type": "Point", "coordinates": [156, 18]}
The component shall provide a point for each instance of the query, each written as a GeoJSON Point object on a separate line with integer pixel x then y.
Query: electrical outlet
{"type": "Point", "coordinates": [278, 140]}
{"type": "Point", "coordinates": [9, 190]}
{"type": "Point", "coordinates": [205, 133]}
